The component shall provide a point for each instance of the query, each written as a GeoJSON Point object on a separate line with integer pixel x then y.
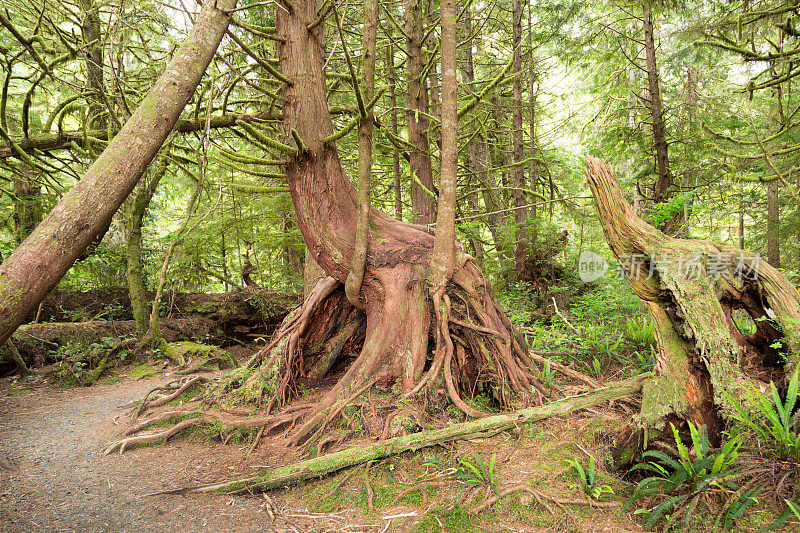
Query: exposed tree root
{"type": "Point", "coordinates": [146, 439]}
{"type": "Point", "coordinates": [198, 417]}
{"type": "Point", "coordinates": [558, 367]}
{"type": "Point", "coordinates": [177, 389]}
{"type": "Point", "coordinates": [541, 498]}
{"type": "Point", "coordinates": [321, 466]}
{"type": "Point", "coordinates": [474, 351]}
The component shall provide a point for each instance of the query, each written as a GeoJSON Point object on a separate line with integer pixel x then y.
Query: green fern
{"type": "Point", "coordinates": [685, 478]}
{"type": "Point", "coordinates": [775, 426]}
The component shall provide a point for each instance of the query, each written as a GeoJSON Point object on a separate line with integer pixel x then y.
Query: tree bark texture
{"type": "Point", "coordinates": [773, 224]}
{"type": "Point", "coordinates": [356, 276]}
{"type": "Point", "coordinates": [389, 340]}
{"type": "Point", "coordinates": [692, 289]}
{"type": "Point", "coordinates": [518, 170]}
{"type": "Point", "coordinates": [444, 247]}
{"type": "Point", "coordinates": [664, 181]}
{"type": "Point", "coordinates": [45, 256]}
{"type": "Point", "coordinates": [422, 201]}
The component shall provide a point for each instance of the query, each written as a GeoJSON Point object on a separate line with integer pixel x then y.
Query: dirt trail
{"type": "Point", "coordinates": [65, 483]}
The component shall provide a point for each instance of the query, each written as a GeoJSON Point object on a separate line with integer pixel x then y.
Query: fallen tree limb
{"type": "Point", "coordinates": [565, 370]}
{"type": "Point", "coordinates": [322, 466]}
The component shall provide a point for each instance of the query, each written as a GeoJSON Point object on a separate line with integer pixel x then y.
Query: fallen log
{"type": "Point", "coordinates": [34, 341]}
{"type": "Point", "coordinates": [328, 464]}
{"type": "Point", "coordinates": [243, 307]}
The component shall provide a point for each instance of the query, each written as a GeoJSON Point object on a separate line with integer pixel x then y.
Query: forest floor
{"type": "Point", "coordinates": [54, 436]}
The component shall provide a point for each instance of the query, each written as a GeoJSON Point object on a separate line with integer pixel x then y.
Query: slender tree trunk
{"type": "Point", "coordinates": [518, 170]}
{"type": "Point", "coordinates": [434, 98]}
{"type": "Point", "coordinates": [741, 224]}
{"type": "Point", "coordinates": [392, 76]}
{"type": "Point", "coordinates": [664, 181]}
{"type": "Point", "coordinates": [45, 256]}
{"type": "Point", "coordinates": [496, 199]}
{"type": "Point", "coordinates": [474, 155]}
{"type": "Point", "coordinates": [93, 39]}
{"type": "Point", "coordinates": [534, 144]}
{"type": "Point", "coordinates": [27, 204]}
{"type": "Point", "coordinates": [134, 272]}
{"type": "Point", "coordinates": [422, 201]}
{"type": "Point", "coordinates": [444, 247]}
{"type": "Point", "coordinates": [355, 277]}
{"type": "Point", "coordinates": [773, 223]}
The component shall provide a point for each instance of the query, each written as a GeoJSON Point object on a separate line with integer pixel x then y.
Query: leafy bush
{"type": "Point", "coordinates": [609, 303]}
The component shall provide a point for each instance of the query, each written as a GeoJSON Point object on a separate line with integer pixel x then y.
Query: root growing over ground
{"type": "Point", "coordinates": [445, 348]}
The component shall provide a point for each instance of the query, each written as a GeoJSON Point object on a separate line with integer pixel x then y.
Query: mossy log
{"type": "Point", "coordinates": [251, 308]}
{"type": "Point", "coordinates": [328, 464]}
{"type": "Point", "coordinates": [34, 340]}
{"type": "Point", "coordinates": [693, 289]}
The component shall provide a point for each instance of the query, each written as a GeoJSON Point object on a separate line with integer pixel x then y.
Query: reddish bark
{"type": "Point", "coordinates": [398, 310]}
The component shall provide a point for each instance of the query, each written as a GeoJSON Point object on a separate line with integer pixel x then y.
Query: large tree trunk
{"type": "Point", "coordinates": [36, 266]}
{"type": "Point", "coordinates": [691, 289]}
{"type": "Point", "coordinates": [475, 347]}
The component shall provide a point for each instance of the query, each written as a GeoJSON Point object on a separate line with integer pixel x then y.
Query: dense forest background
{"type": "Point", "coordinates": [538, 93]}
{"type": "Point", "coordinates": [692, 103]}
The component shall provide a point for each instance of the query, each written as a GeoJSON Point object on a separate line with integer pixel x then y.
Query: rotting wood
{"type": "Point", "coordinates": [702, 353]}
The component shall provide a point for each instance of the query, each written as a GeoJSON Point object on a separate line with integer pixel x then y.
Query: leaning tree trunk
{"type": "Point", "coordinates": [34, 268]}
{"type": "Point", "coordinates": [475, 347]}
{"type": "Point", "coordinates": [691, 289]}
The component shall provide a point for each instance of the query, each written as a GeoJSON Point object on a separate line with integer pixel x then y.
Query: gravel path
{"type": "Point", "coordinates": [64, 483]}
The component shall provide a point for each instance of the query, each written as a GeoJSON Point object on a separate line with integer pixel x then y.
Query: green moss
{"type": "Point", "coordinates": [184, 397]}
{"type": "Point", "coordinates": [452, 520]}
{"type": "Point", "coordinates": [143, 370]}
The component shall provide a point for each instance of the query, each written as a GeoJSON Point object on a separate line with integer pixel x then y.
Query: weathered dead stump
{"type": "Point", "coordinates": [693, 289]}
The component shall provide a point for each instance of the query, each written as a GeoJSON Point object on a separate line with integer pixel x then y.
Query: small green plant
{"type": "Point", "coordinates": [640, 332]}
{"type": "Point", "coordinates": [776, 424]}
{"type": "Point", "coordinates": [597, 367]}
{"type": "Point", "coordinates": [588, 479]}
{"type": "Point", "coordinates": [548, 373]}
{"type": "Point", "coordinates": [690, 477]}
{"type": "Point", "coordinates": [473, 471]}
{"type": "Point", "coordinates": [743, 322]}
{"type": "Point", "coordinates": [646, 359]}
